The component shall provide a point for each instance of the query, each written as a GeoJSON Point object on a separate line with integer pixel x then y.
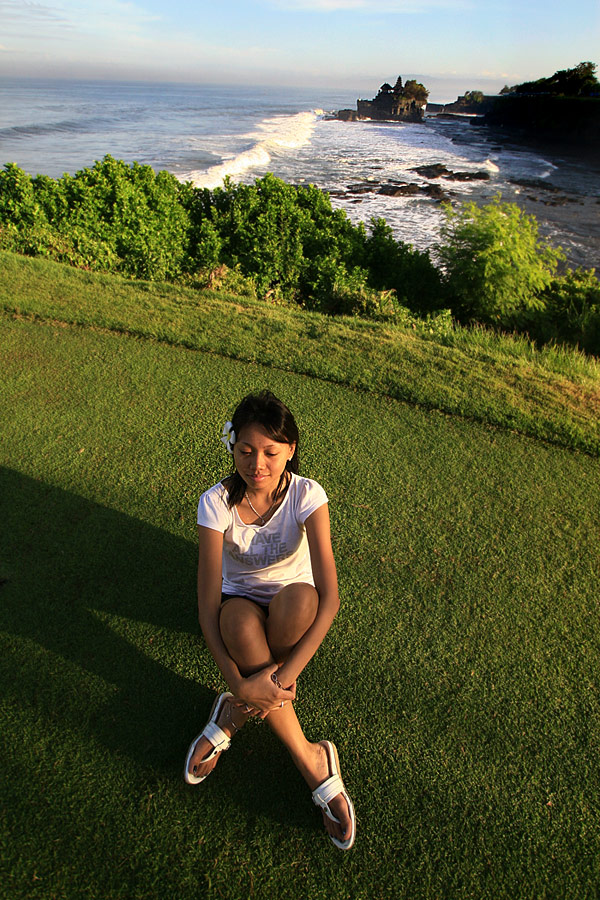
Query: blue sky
{"type": "Point", "coordinates": [354, 44]}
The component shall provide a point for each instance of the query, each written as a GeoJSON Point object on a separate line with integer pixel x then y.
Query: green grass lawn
{"type": "Point", "coordinates": [551, 393]}
{"type": "Point", "coordinates": [459, 681]}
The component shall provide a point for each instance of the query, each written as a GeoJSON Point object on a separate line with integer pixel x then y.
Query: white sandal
{"type": "Point", "coordinates": [214, 735]}
{"type": "Point", "coordinates": [324, 793]}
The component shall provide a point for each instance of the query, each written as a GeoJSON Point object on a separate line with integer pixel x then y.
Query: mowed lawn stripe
{"type": "Point", "coordinates": [551, 393]}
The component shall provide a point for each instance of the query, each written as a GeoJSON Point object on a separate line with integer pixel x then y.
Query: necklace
{"type": "Point", "coordinates": [255, 511]}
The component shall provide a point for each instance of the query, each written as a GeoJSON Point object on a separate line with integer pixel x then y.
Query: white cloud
{"type": "Point", "coordinates": [43, 18]}
{"type": "Point", "coordinates": [18, 12]}
{"type": "Point", "coordinates": [374, 7]}
{"type": "Point", "coordinates": [113, 15]}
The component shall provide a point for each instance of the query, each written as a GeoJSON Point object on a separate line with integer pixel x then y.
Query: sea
{"type": "Point", "coordinates": [204, 133]}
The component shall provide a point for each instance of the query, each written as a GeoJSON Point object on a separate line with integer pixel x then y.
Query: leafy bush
{"type": "Point", "coordinates": [573, 310]}
{"type": "Point", "coordinates": [279, 235]}
{"type": "Point", "coordinates": [226, 281]}
{"type": "Point", "coordinates": [286, 243]}
{"type": "Point", "coordinates": [495, 265]}
{"type": "Point", "coordinates": [18, 204]}
{"type": "Point", "coordinates": [111, 217]}
{"type": "Point", "coordinates": [409, 272]}
{"type": "Point", "coordinates": [339, 291]}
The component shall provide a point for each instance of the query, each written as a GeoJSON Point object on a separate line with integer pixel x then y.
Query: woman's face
{"type": "Point", "coordinates": [259, 459]}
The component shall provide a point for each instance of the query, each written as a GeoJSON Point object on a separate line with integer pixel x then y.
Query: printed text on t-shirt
{"type": "Point", "coordinates": [265, 550]}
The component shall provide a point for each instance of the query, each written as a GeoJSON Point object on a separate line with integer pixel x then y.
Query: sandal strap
{"type": "Point", "coordinates": [324, 793]}
{"type": "Point", "coordinates": [217, 737]}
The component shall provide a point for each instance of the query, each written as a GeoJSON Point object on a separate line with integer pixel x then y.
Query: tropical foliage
{"type": "Point", "coordinates": [286, 244]}
{"type": "Point", "coordinates": [579, 81]}
{"type": "Point", "coordinates": [495, 263]}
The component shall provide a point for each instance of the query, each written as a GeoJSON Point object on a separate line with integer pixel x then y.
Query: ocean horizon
{"type": "Point", "coordinates": [204, 133]}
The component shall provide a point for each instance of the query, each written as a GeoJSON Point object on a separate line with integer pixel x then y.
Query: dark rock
{"type": "Point", "coordinates": [347, 115]}
{"type": "Point", "coordinates": [560, 201]}
{"type": "Point", "coordinates": [471, 103]}
{"type": "Point", "coordinates": [535, 183]}
{"type": "Point", "coordinates": [434, 171]}
{"type": "Point", "coordinates": [549, 118]}
{"type": "Point", "coordinates": [402, 190]}
{"type": "Point", "coordinates": [435, 192]}
{"type": "Point", "coordinates": [468, 176]}
{"type": "Point", "coordinates": [365, 187]}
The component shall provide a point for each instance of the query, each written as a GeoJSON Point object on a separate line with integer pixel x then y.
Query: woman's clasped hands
{"type": "Point", "coordinates": [259, 694]}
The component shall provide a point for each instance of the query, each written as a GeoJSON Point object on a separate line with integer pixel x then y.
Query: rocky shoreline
{"type": "Point", "coordinates": [397, 188]}
{"type": "Point", "coordinates": [565, 216]}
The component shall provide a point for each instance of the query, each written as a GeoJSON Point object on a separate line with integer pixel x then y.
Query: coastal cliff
{"type": "Point", "coordinates": [401, 103]}
{"type": "Point", "coordinates": [568, 121]}
{"type": "Point", "coordinates": [472, 103]}
{"type": "Point", "coordinates": [563, 110]}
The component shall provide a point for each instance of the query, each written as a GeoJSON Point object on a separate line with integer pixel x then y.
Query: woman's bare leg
{"type": "Point", "coordinates": [255, 642]}
{"type": "Point", "coordinates": [243, 629]}
{"type": "Point", "coordinates": [291, 614]}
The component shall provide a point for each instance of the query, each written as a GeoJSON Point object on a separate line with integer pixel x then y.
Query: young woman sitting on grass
{"type": "Point", "coordinates": [267, 595]}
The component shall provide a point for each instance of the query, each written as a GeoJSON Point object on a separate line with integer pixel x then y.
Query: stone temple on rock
{"type": "Point", "coordinates": [401, 103]}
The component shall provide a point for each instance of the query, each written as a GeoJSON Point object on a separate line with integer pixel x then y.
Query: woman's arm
{"type": "Point", "coordinates": [325, 576]}
{"type": "Point", "coordinates": [210, 552]}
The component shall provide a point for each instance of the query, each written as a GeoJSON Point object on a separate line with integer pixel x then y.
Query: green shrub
{"type": "Point", "coordinates": [18, 204]}
{"type": "Point", "coordinates": [338, 291]}
{"type": "Point", "coordinates": [495, 265]}
{"type": "Point", "coordinates": [573, 310]}
{"type": "Point", "coordinates": [110, 217]}
{"type": "Point", "coordinates": [409, 272]}
{"type": "Point", "coordinates": [226, 281]}
{"type": "Point", "coordinates": [278, 234]}
{"type": "Point", "coordinates": [286, 243]}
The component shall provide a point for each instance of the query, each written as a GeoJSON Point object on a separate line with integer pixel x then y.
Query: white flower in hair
{"type": "Point", "coordinates": [228, 436]}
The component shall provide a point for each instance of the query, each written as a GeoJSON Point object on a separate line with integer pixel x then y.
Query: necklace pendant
{"type": "Point", "coordinates": [256, 513]}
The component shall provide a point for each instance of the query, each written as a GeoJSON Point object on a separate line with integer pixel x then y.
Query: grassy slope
{"type": "Point", "coordinates": [552, 395]}
{"type": "Point", "coordinates": [459, 681]}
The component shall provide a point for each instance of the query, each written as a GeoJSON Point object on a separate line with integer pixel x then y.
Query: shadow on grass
{"type": "Point", "coordinates": [101, 610]}
{"type": "Point", "coordinates": [97, 588]}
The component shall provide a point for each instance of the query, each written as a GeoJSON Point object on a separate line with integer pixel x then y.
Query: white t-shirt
{"type": "Point", "coordinates": [258, 560]}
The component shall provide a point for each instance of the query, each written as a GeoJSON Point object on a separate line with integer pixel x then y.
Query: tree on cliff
{"type": "Point", "coordinates": [414, 90]}
{"type": "Point", "coordinates": [580, 81]}
{"type": "Point", "coordinates": [473, 97]}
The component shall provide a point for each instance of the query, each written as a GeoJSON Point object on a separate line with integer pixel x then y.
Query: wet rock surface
{"type": "Point", "coordinates": [428, 190]}
{"type": "Point", "coordinates": [396, 189]}
{"type": "Point", "coordinates": [439, 171]}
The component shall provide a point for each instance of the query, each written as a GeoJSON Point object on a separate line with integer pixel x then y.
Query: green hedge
{"type": "Point", "coordinates": [287, 244]}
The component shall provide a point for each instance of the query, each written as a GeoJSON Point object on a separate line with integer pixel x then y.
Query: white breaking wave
{"type": "Point", "coordinates": [491, 166]}
{"type": "Point", "coordinates": [274, 136]}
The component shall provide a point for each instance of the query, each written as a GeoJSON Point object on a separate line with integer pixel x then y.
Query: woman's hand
{"type": "Point", "coordinates": [262, 695]}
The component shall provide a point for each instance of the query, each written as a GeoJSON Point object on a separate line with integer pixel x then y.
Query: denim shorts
{"type": "Point", "coordinates": [264, 606]}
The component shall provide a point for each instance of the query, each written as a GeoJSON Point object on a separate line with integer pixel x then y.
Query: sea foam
{"type": "Point", "coordinates": [273, 137]}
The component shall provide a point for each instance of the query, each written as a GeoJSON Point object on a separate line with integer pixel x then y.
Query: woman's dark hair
{"type": "Point", "coordinates": [263, 409]}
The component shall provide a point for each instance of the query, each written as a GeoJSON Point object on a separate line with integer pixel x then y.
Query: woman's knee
{"type": "Point", "coordinates": [292, 611]}
{"type": "Point", "coordinates": [241, 622]}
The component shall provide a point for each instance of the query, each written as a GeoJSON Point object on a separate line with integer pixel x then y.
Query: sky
{"type": "Point", "coordinates": [353, 44]}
